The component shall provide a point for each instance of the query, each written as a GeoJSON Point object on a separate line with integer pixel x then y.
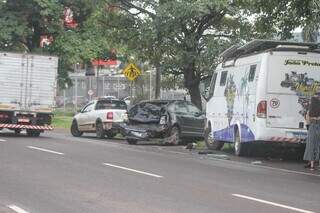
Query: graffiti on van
{"type": "Point", "coordinates": [303, 86]}
{"type": "Point", "coordinates": [230, 94]}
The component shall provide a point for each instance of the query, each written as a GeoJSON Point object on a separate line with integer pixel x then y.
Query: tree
{"type": "Point", "coordinates": [178, 35]}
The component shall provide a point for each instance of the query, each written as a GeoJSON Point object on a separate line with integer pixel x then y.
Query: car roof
{"type": "Point", "coordinates": [162, 101]}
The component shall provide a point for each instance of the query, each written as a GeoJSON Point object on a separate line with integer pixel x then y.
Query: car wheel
{"type": "Point", "coordinates": [74, 129]}
{"type": "Point", "coordinates": [211, 143]}
{"type": "Point", "coordinates": [132, 141]}
{"type": "Point", "coordinates": [33, 133]}
{"type": "Point", "coordinates": [111, 134]}
{"type": "Point", "coordinates": [240, 149]}
{"type": "Point", "coordinates": [100, 133]}
{"type": "Point", "coordinates": [175, 136]}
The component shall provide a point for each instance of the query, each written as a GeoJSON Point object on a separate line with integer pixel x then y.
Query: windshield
{"type": "Point", "coordinates": [147, 112]}
{"type": "Point", "coordinates": [111, 104]}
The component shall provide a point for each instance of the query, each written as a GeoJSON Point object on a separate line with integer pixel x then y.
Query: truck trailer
{"type": "Point", "coordinates": [28, 87]}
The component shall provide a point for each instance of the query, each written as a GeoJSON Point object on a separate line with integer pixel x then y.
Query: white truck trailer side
{"type": "Point", "coordinates": [28, 85]}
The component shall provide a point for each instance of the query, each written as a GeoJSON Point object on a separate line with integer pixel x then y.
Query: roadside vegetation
{"type": "Point", "coordinates": [62, 120]}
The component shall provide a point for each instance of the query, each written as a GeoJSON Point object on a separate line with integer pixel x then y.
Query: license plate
{"type": "Point", "coordinates": [24, 120]}
{"type": "Point", "coordinates": [138, 134]}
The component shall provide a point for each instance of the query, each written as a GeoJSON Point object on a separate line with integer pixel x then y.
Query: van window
{"type": "Point", "coordinates": [212, 84]}
{"type": "Point", "coordinates": [223, 78]}
{"type": "Point", "coordinates": [252, 72]}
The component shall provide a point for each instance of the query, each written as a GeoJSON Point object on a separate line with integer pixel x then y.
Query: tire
{"type": "Point", "coordinates": [33, 133]}
{"type": "Point", "coordinates": [210, 142]}
{"type": "Point", "coordinates": [100, 132]}
{"type": "Point", "coordinates": [111, 134]}
{"type": "Point", "coordinates": [132, 141]}
{"type": "Point", "coordinates": [17, 131]}
{"type": "Point", "coordinates": [74, 129]}
{"type": "Point", "coordinates": [175, 135]}
{"type": "Point", "coordinates": [240, 149]}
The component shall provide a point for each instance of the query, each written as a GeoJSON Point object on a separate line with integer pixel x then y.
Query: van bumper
{"type": "Point", "coordinates": [283, 135]}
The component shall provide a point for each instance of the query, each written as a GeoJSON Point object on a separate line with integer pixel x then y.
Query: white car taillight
{"type": "Point", "coordinates": [110, 116]}
{"type": "Point", "coordinates": [262, 109]}
{"type": "Point", "coordinates": [163, 120]}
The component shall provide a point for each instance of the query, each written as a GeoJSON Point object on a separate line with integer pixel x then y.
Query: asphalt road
{"type": "Point", "coordinates": [57, 173]}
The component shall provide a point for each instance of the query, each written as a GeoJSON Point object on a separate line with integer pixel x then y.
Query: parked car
{"type": "Point", "coordinates": [102, 116]}
{"type": "Point", "coordinates": [176, 121]}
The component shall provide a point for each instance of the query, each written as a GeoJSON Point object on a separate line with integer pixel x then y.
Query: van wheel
{"type": "Point", "coordinates": [210, 142]}
{"type": "Point", "coordinates": [240, 149]}
{"type": "Point", "coordinates": [132, 141]}
{"type": "Point", "coordinates": [74, 129]}
{"type": "Point", "coordinates": [100, 133]}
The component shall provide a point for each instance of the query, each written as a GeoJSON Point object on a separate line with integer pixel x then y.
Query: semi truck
{"type": "Point", "coordinates": [27, 91]}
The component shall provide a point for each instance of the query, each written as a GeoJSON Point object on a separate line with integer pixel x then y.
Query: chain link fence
{"type": "Point", "coordinates": [87, 88]}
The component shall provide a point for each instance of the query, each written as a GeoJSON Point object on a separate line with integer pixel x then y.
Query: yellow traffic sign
{"type": "Point", "coordinates": [131, 71]}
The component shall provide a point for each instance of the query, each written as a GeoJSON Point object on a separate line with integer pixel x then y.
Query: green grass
{"type": "Point", "coordinates": [201, 145]}
{"type": "Point", "coordinates": [62, 121]}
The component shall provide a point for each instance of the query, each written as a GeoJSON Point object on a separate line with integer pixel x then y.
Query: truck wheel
{"type": "Point", "coordinates": [33, 133]}
{"type": "Point", "coordinates": [240, 149]}
{"type": "Point", "coordinates": [74, 129]}
{"type": "Point", "coordinates": [132, 141]}
{"type": "Point", "coordinates": [111, 134]}
{"type": "Point", "coordinates": [210, 142]}
{"type": "Point", "coordinates": [17, 131]}
{"type": "Point", "coordinates": [100, 133]}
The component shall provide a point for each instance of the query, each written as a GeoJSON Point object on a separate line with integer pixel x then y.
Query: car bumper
{"type": "Point", "coordinates": [139, 133]}
{"type": "Point", "coordinates": [112, 126]}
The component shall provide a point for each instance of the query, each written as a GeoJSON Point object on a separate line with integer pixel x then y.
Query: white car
{"type": "Point", "coordinates": [102, 116]}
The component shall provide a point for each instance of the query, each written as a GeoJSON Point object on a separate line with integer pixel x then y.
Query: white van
{"type": "Point", "coordinates": [260, 93]}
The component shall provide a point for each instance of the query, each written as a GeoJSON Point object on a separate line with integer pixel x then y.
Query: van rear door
{"type": "Point", "coordinates": [293, 78]}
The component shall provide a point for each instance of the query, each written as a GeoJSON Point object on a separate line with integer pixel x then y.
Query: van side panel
{"type": "Point", "coordinates": [233, 104]}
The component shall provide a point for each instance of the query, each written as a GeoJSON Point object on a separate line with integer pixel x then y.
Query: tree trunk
{"type": "Point", "coordinates": [195, 95]}
{"type": "Point", "coordinates": [158, 81]}
{"type": "Point", "coordinates": [192, 82]}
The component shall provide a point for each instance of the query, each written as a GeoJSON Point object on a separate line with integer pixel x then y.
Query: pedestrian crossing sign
{"type": "Point", "coordinates": [131, 71]}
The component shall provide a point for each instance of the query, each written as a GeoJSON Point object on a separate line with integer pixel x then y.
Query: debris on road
{"type": "Point", "coordinates": [258, 162]}
{"type": "Point", "coordinates": [219, 156]}
{"type": "Point", "coordinates": [191, 146]}
{"type": "Point", "coordinates": [205, 152]}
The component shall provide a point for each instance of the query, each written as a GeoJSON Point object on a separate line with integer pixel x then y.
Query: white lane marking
{"type": "Point", "coordinates": [133, 170]}
{"type": "Point", "coordinates": [288, 171]}
{"type": "Point", "coordinates": [268, 167]}
{"type": "Point", "coordinates": [3, 140]}
{"type": "Point", "coordinates": [17, 209]}
{"type": "Point", "coordinates": [272, 203]}
{"type": "Point", "coordinates": [45, 150]}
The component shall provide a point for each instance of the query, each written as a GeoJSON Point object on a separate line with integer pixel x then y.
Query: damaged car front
{"type": "Point", "coordinates": [147, 120]}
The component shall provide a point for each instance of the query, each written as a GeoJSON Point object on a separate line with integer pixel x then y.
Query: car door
{"type": "Point", "coordinates": [196, 120]}
{"type": "Point", "coordinates": [181, 116]}
{"type": "Point", "coordinates": [84, 119]}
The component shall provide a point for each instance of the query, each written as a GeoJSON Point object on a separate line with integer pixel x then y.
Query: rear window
{"type": "Point", "coordinates": [147, 112]}
{"type": "Point", "coordinates": [111, 104]}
